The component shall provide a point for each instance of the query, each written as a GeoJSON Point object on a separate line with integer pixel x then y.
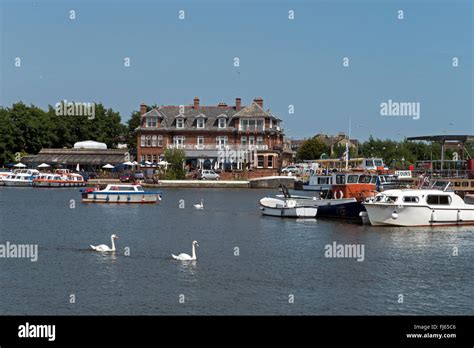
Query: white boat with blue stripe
{"type": "Point", "coordinates": [116, 193]}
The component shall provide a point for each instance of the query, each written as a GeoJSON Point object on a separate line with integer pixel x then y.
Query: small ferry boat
{"type": "Point", "coordinates": [21, 177]}
{"type": "Point", "coordinates": [60, 178]}
{"type": "Point", "coordinates": [287, 208]}
{"type": "Point", "coordinates": [4, 174]}
{"type": "Point", "coordinates": [115, 193]}
{"type": "Point", "coordinates": [419, 207]}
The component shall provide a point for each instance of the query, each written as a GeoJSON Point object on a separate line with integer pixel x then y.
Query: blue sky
{"type": "Point", "coordinates": [297, 62]}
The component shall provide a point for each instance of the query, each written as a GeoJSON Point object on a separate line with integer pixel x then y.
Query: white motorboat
{"type": "Point", "coordinates": [115, 193]}
{"type": "Point", "coordinates": [4, 175]}
{"type": "Point", "coordinates": [21, 177]}
{"type": "Point", "coordinates": [419, 207]}
{"type": "Point", "coordinates": [61, 178]}
{"type": "Point", "coordinates": [287, 208]}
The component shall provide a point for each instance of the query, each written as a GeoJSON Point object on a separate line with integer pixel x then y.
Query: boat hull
{"type": "Point", "coordinates": [297, 212]}
{"type": "Point", "coordinates": [57, 183]}
{"type": "Point", "coordinates": [125, 198]}
{"type": "Point", "coordinates": [408, 216]}
{"type": "Point", "coordinates": [17, 183]}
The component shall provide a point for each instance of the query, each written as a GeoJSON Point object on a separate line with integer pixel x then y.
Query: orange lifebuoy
{"type": "Point", "coordinates": [339, 194]}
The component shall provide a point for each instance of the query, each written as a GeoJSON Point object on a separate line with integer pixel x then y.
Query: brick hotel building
{"type": "Point", "coordinates": [206, 132]}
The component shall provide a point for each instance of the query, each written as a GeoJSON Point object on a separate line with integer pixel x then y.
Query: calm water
{"type": "Point", "coordinates": [277, 258]}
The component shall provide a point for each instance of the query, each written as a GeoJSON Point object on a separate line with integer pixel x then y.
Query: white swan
{"type": "Point", "coordinates": [199, 206]}
{"type": "Point", "coordinates": [186, 257]}
{"type": "Point", "coordinates": [104, 247]}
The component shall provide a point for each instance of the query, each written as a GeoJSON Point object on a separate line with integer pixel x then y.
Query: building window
{"type": "Point", "coordinates": [142, 141]}
{"type": "Point", "coordinates": [270, 161]}
{"type": "Point", "coordinates": [155, 158]}
{"type": "Point", "coordinates": [200, 142]}
{"type": "Point", "coordinates": [260, 125]}
{"type": "Point", "coordinates": [252, 125]}
{"type": "Point", "coordinates": [153, 141]}
{"type": "Point", "coordinates": [151, 121]}
{"type": "Point", "coordinates": [222, 123]}
{"type": "Point", "coordinates": [251, 140]}
{"type": "Point", "coordinates": [143, 158]}
{"type": "Point", "coordinates": [260, 161]}
{"type": "Point", "coordinates": [148, 158]}
{"type": "Point", "coordinates": [221, 141]}
{"type": "Point", "coordinates": [259, 140]}
{"type": "Point", "coordinates": [179, 123]}
{"type": "Point", "coordinates": [160, 140]}
{"type": "Point", "coordinates": [148, 141]}
{"type": "Point", "coordinates": [200, 123]}
{"type": "Point", "coordinates": [243, 141]}
{"type": "Point", "coordinates": [178, 141]}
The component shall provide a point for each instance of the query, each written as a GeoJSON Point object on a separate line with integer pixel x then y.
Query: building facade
{"type": "Point", "coordinates": [221, 136]}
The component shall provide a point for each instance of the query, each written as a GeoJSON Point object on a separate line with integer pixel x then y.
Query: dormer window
{"type": "Point", "coordinates": [222, 123]}
{"type": "Point", "coordinates": [200, 123]}
{"type": "Point", "coordinates": [151, 121]}
{"type": "Point", "coordinates": [180, 123]}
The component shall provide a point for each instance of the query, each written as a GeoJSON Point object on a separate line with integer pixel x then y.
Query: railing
{"type": "Point", "coordinates": [218, 147]}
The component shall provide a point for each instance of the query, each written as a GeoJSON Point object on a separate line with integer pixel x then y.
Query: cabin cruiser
{"type": "Point", "coordinates": [3, 175]}
{"type": "Point", "coordinates": [61, 178]}
{"type": "Point", "coordinates": [21, 177]}
{"type": "Point", "coordinates": [419, 207]}
{"type": "Point", "coordinates": [115, 193]}
{"type": "Point", "coordinates": [287, 208]}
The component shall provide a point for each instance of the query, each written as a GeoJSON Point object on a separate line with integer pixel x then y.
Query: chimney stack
{"type": "Point", "coordinates": [143, 109]}
{"type": "Point", "coordinates": [196, 102]}
{"type": "Point", "coordinates": [259, 101]}
{"type": "Point", "coordinates": [238, 104]}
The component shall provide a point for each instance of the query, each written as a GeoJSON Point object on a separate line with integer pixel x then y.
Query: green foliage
{"type": "Point", "coordinates": [132, 124]}
{"type": "Point", "coordinates": [27, 129]}
{"type": "Point", "coordinates": [175, 158]}
{"type": "Point", "coordinates": [311, 149]}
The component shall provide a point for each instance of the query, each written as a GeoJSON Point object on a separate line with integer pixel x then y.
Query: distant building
{"type": "Point", "coordinates": [90, 155]}
{"type": "Point", "coordinates": [215, 136]}
{"type": "Point", "coordinates": [333, 141]}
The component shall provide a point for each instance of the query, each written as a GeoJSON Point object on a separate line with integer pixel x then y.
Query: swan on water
{"type": "Point", "coordinates": [104, 247]}
{"type": "Point", "coordinates": [199, 206]}
{"type": "Point", "coordinates": [186, 257]}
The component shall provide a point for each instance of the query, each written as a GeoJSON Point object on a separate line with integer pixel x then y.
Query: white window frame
{"type": "Point", "coordinates": [200, 123]}
{"type": "Point", "coordinates": [251, 140]}
{"type": "Point", "coordinates": [272, 160]}
{"type": "Point", "coordinates": [153, 141]}
{"type": "Point", "coordinates": [160, 141]}
{"type": "Point", "coordinates": [142, 141]}
{"type": "Point", "coordinates": [148, 141]}
{"type": "Point", "coordinates": [259, 141]}
{"type": "Point", "coordinates": [179, 141]}
{"type": "Point", "coordinates": [243, 141]}
{"type": "Point", "coordinates": [151, 122]}
{"type": "Point", "coordinates": [199, 144]}
{"type": "Point", "coordinates": [263, 165]}
{"type": "Point", "coordinates": [180, 123]}
{"type": "Point", "coordinates": [222, 123]}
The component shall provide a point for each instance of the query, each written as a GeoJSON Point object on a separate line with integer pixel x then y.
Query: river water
{"type": "Point", "coordinates": [247, 263]}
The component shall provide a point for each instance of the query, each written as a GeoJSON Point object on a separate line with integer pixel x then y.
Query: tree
{"type": "Point", "coordinates": [132, 123]}
{"type": "Point", "coordinates": [311, 149]}
{"type": "Point", "coordinates": [175, 158]}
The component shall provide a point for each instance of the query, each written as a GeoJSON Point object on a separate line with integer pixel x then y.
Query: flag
{"type": "Point", "coordinates": [346, 152]}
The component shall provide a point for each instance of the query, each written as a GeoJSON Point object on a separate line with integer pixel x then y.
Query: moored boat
{"type": "Point", "coordinates": [419, 207]}
{"type": "Point", "coordinates": [116, 193]}
{"type": "Point", "coordinates": [287, 208]}
{"type": "Point", "coordinates": [61, 178]}
{"type": "Point", "coordinates": [21, 177]}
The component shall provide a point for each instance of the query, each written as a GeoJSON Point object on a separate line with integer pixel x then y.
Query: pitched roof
{"type": "Point", "coordinates": [212, 113]}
